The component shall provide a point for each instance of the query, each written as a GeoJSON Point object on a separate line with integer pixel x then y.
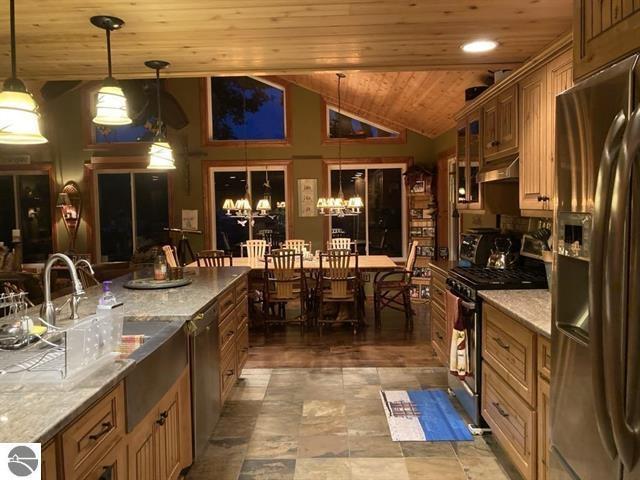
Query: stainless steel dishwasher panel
{"type": "Point", "coordinates": [205, 377]}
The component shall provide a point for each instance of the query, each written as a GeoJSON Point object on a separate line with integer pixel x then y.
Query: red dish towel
{"type": "Point", "coordinates": [459, 351]}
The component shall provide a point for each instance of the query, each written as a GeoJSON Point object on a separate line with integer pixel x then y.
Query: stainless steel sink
{"type": "Point", "coordinates": [159, 361]}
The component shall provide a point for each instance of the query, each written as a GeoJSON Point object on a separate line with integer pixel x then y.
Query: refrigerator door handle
{"type": "Point", "coordinates": [616, 296]}
{"type": "Point", "coordinates": [596, 268]}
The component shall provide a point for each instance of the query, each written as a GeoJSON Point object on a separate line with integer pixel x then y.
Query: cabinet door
{"type": "Point", "coordinates": [173, 430]}
{"type": "Point", "coordinates": [543, 429]}
{"type": "Point", "coordinates": [142, 451]}
{"type": "Point", "coordinates": [461, 169]}
{"type": "Point", "coordinates": [604, 31]}
{"type": "Point", "coordinates": [533, 145]}
{"type": "Point", "coordinates": [474, 160]}
{"type": "Point", "coordinates": [490, 128]}
{"type": "Point", "coordinates": [508, 121]}
{"type": "Point", "coordinates": [113, 466]}
{"type": "Point", "coordinates": [49, 464]}
{"type": "Point", "coordinates": [559, 79]}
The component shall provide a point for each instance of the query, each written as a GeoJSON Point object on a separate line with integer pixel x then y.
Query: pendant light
{"type": "Point", "coordinates": [160, 153]}
{"type": "Point", "coordinates": [111, 105]}
{"type": "Point", "coordinates": [264, 204]}
{"type": "Point", "coordinates": [338, 206]}
{"type": "Point", "coordinates": [19, 115]}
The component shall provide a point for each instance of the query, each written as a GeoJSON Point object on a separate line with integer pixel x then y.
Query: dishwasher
{"type": "Point", "coordinates": [205, 376]}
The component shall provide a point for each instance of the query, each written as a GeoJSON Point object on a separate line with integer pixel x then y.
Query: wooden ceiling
{"type": "Point", "coordinates": [204, 37]}
{"type": "Point", "coordinates": [424, 102]}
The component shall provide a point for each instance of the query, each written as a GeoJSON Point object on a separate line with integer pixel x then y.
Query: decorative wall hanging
{"type": "Point", "coordinates": [70, 204]}
{"type": "Point", "coordinates": [307, 197]}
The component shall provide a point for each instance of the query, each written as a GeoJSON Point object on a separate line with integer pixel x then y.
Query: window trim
{"type": "Point", "coordinates": [88, 111]}
{"type": "Point", "coordinates": [211, 166]}
{"type": "Point", "coordinates": [206, 115]}
{"type": "Point", "coordinates": [326, 139]}
{"type": "Point", "coordinates": [113, 165]}
{"type": "Point", "coordinates": [369, 163]}
{"type": "Point", "coordinates": [39, 169]}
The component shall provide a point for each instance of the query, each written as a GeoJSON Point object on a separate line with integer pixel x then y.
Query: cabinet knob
{"type": "Point", "coordinates": [543, 198]}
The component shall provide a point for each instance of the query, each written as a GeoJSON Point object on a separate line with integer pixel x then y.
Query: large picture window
{"type": "Point", "coordinates": [25, 204]}
{"type": "Point", "coordinates": [246, 108]}
{"type": "Point", "coordinates": [132, 211]}
{"type": "Point", "coordinates": [381, 228]}
{"type": "Point", "coordinates": [230, 232]}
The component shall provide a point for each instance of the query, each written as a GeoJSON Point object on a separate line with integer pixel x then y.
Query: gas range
{"type": "Point", "coordinates": [466, 281]}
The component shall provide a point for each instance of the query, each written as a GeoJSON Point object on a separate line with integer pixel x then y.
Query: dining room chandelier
{"type": "Point", "coordinates": [339, 206]}
{"type": "Point", "coordinates": [160, 152]}
{"type": "Point", "coordinates": [111, 103]}
{"type": "Point", "coordinates": [19, 115]}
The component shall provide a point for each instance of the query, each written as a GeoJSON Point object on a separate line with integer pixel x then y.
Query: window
{"type": "Point", "coordinates": [132, 211]}
{"type": "Point", "coordinates": [381, 228]}
{"type": "Point", "coordinates": [348, 126]}
{"type": "Point", "coordinates": [246, 108]}
{"type": "Point", "coordinates": [229, 182]}
{"type": "Point", "coordinates": [25, 204]}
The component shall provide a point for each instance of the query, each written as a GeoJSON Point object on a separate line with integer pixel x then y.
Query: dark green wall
{"type": "Point", "coordinates": [63, 120]}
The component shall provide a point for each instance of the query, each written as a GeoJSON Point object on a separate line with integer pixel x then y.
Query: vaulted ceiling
{"type": "Point", "coordinates": [204, 37]}
{"type": "Point", "coordinates": [424, 102]}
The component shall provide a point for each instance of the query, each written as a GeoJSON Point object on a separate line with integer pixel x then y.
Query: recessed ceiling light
{"type": "Point", "coordinates": [479, 46]}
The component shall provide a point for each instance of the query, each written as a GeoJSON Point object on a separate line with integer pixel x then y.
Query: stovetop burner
{"type": "Point", "coordinates": [483, 278]}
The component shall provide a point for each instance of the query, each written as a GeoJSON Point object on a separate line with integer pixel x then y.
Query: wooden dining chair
{"type": "Point", "coordinates": [297, 244]}
{"type": "Point", "coordinates": [214, 258]}
{"type": "Point", "coordinates": [338, 283]}
{"type": "Point", "coordinates": [392, 289]}
{"type": "Point", "coordinates": [284, 285]}
{"type": "Point", "coordinates": [256, 248]}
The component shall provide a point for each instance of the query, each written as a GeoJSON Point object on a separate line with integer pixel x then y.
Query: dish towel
{"type": "Point", "coordinates": [459, 349]}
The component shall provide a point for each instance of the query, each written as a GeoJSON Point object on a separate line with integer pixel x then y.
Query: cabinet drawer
{"type": "Point", "coordinates": [242, 347]}
{"type": "Point", "coordinates": [512, 421]}
{"type": "Point", "coordinates": [87, 440]}
{"type": "Point", "coordinates": [439, 335]}
{"type": "Point", "coordinates": [438, 292]}
{"type": "Point", "coordinates": [226, 304]}
{"type": "Point", "coordinates": [112, 466]}
{"type": "Point", "coordinates": [510, 349]}
{"type": "Point", "coordinates": [227, 332]}
{"type": "Point", "coordinates": [241, 316]}
{"type": "Point", "coordinates": [544, 357]}
{"type": "Point", "coordinates": [242, 288]}
{"type": "Point", "coordinates": [228, 373]}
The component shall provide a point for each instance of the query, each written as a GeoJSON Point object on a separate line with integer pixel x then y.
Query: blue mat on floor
{"type": "Point", "coordinates": [423, 415]}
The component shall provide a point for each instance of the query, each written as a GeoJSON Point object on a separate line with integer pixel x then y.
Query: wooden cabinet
{"type": "Point", "coordinates": [512, 421]}
{"type": "Point", "coordinates": [544, 358]}
{"type": "Point", "coordinates": [604, 31]}
{"type": "Point", "coordinates": [440, 330]}
{"type": "Point", "coordinates": [500, 125]}
{"type": "Point", "coordinates": [113, 466]}
{"type": "Point", "coordinates": [538, 93]}
{"type": "Point", "coordinates": [160, 445]}
{"type": "Point", "coordinates": [544, 426]}
{"type": "Point", "coordinates": [86, 441]}
{"type": "Point", "coordinates": [469, 158]}
{"type": "Point", "coordinates": [49, 469]}
{"type": "Point", "coordinates": [534, 167]}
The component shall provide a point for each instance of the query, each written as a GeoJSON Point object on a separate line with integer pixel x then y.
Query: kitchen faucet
{"type": "Point", "coordinates": [48, 311]}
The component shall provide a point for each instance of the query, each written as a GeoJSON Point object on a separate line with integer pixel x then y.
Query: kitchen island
{"type": "Point", "coordinates": [45, 412]}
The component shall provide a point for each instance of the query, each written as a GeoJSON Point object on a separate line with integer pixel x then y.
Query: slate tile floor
{"type": "Point", "coordinates": [328, 423]}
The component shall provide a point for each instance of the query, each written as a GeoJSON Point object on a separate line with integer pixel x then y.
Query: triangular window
{"type": "Point", "coordinates": [349, 126]}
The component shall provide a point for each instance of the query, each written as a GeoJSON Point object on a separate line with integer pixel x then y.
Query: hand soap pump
{"type": "Point", "coordinates": [108, 299]}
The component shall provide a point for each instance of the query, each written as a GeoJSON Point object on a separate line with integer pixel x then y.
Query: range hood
{"type": "Point", "coordinates": [503, 171]}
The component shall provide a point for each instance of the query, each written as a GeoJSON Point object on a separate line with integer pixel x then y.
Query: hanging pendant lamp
{"type": "Point", "coordinates": [19, 115]}
{"type": "Point", "coordinates": [264, 204]}
{"type": "Point", "coordinates": [111, 105]}
{"type": "Point", "coordinates": [338, 206]}
{"type": "Point", "coordinates": [160, 152]}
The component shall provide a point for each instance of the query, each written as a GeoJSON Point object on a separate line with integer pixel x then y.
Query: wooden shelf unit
{"type": "Point", "coordinates": [422, 228]}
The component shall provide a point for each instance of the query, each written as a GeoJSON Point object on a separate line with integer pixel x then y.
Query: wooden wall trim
{"type": "Point", "coordinates": [206, 190]}
{"type": "Point", "coordinates": [560, 45]}
{"type": "Point", "coordinates": [205, 120]}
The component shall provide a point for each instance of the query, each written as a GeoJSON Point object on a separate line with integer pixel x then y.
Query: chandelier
{"type": "Point", "coordinates": [339, 206]}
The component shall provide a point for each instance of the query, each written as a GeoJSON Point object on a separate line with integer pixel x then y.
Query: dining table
{"type": "Point", "coordinates": [366, 263]}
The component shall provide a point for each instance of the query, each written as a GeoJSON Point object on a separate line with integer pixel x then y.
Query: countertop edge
{"type": "Point", "coordinates": [515, 315]}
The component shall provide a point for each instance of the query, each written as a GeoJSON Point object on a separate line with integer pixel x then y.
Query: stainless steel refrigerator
{"type": "Point", "coordinates": [595, 385]}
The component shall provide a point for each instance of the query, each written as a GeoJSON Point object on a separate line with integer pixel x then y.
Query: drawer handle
{"type": "Point", "coordinates": [229, 373]}
{"type": "Point", "coordinates": [229, 334]}
{"type": "Point", "coordinates": [501, 343]}
{"type": "Point", "coordinates": [106, 428]}
{"type": "Point", "coordinates": [439, 335]}
{"type": "Point", "coordinates": [500, 409]}
{"type": "Point", "coordinates": [163, 418]}
{"type": "Point", "coordinates": [199, 317]}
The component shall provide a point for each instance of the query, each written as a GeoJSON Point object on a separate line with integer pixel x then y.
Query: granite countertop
{"type": "Point", "coordinates": [532, 308]}
{"type": "Point", "coordinates": [37, 412]}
